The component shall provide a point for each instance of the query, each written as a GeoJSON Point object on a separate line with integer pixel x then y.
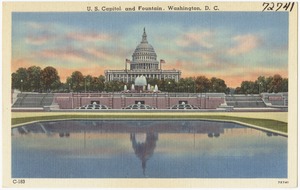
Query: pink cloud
{"type": "Point", "coordinates": [244, 44]}
{"type": "Point", "coordinates": [203, 62]}
{"type": "Point", "coordinates": [89, 37]}
{"type": "Point", "coordinates": [23, 62]}
{"type": "Point", "coordinates": [201, 39]}
{"type": "Point", "coordinates": [233, 76]}
{"type": "Point", "coordinates": [36, 26]}
{"type": "Point", "coordinates": [98, 53]}
{"type": "Point", "coordinates": [68, 54]}
{"type": "Point", "coordinates": [178, 65]}
{"type": "Point", "coordinates": [39, 39]}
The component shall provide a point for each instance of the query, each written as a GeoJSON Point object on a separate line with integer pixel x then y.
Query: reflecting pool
{"type": "Point", "coordinates": [146, 148]}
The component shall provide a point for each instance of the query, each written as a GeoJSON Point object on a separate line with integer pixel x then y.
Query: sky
{"type": "Point", "coordinates": [233, 46]}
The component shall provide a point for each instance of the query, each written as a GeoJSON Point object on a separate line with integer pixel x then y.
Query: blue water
{"type": "Point", "coordinates": [146, 149]}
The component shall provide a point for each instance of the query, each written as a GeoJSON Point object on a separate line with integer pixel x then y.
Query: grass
{"type": "Point", "coordinates": [265, 123]}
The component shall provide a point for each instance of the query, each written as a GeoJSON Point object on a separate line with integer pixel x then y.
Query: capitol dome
{"type": "Point", "coordinates": [144, 56]}
{"type": "Point", "coordinates": [145, 63]}
{"type": "Point", "coordinates": [140, 81]}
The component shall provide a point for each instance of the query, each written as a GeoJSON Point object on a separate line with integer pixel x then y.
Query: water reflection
{"type": "Point", "coordinates": [269, 134]}
{"type": "Point", "coordinates": [144, 149]}
{"type": "Point", "coordinates": [193, 146]}
{"type": "Point", "coordinates": [65, 128]}
{"type": "Point", "coordinates": [64, 134]}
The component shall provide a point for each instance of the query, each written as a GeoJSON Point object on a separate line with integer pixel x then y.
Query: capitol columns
{"type": "Point", "coordinates": [126, 62]}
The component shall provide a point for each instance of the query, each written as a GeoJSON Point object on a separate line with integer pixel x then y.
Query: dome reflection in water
{"type": "Point", "coordinates": [146, 148]}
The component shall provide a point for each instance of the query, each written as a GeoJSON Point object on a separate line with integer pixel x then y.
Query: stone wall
{"type": "Point", "coordinates": [118, 101]}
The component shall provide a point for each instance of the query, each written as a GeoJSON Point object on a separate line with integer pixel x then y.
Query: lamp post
{"type": "Point", "coordinates": [259, 84]}
{"type": "Point", "coordinates": [69, 87]}
{"type": "Point", "coordinates": [84, 84]}
{"type": "Point", "coordinates": [21, 85]}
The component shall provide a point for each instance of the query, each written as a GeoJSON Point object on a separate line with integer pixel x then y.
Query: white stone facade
{"type": "Point", "coordinates": [144, 62]}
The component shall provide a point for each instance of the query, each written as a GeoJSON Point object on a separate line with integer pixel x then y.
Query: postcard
{"type": "Point", "coordinates": [149, 94]}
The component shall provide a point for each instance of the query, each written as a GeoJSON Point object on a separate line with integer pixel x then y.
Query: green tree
{"type": "Point", "coordinates": [162, 85]}
{"type": "Point", "coordinates": [14, 81]}
{"type": "Point", "coordinates": [101, 84]}
{"type": "Point", "coordinates": [114, 86]}
{"type": "Point", "coordinates": [185, 85]}
{"type": "Point", "coordinates": [76, 81]}
{"type": "Point", "coordinates": [34, 78]}
{"type": "Point", "coordinates": [203, 84]}
{"type": "Point", "coordinates": [248, 87]}
{"type": "Point", "coordinates": [285, 85]}
{"type": "Point", "coordinates": [88, 80]}
{"type": "Point", "coordinates": [181, 85]}
{"type": "Point", "coordinates": [264, 84]}
{"type": "Point", "coordinates": [238, 90]}
{"type": "Point", "coordinates": [50, 79]}
{"type": "Point", "coordinates": [20, 80]}
{"type": "Point", "coordinates": [96, 85]}
{"type": "Point", "coordinates": [191, 84]}
{"type": "Point", "coordinates": [276, 84]}
{"type": "Point", "coordinates": [64, 87]}
{"type": "Point", "coordinates": [171, 85]}
{"type": "Point", "coordinates": [153, 81]}
{"type": "Point", "coordinates": [261, 84]}
{"type": "Point", "coordinates": [269, 87]}
{"type": "Point", "coordinates": [218, 85]}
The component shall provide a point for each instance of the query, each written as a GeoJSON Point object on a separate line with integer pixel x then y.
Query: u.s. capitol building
{"type": "Point", "coordinates": [144, 63]}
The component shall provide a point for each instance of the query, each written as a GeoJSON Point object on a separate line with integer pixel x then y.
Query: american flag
{"type": "Point", "coordinates": [162, 61]}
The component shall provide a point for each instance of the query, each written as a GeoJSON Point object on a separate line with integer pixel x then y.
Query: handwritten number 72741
{"type": "Point", "coordinates": [278, 6]}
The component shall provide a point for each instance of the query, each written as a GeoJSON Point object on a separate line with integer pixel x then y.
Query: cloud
{"type": "Point", "coordinates": [228, 70]}
{"type": "Point", "coordinates": [39, 39]}
{"type": "Point", "coordinates": [97, 53]}
{"type": "Point", "coordinates": [201, 39]}
{"type": "Point", "coordinates": [193, 50]}
{"type": "Point", "coordinates": [216, 61]}
{"type": "Point", "coordinates": [244, 44]}
{"type": "Point", "coordinates": [89, 36]}
{"type": "Point", "coordinates": [79, 55]}
{"type": "Point", "coordinates": [37, 26]}
{"type": "Point", "coordinates": [208, 62]}
{"type": "Point", "coordinates": [22, 62]}
{"type": "Point", "coordinates": [68, 54]}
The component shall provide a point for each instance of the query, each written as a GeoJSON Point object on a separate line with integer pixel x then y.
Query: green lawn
{"type": "Point", "coordinates": [265, 123]}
